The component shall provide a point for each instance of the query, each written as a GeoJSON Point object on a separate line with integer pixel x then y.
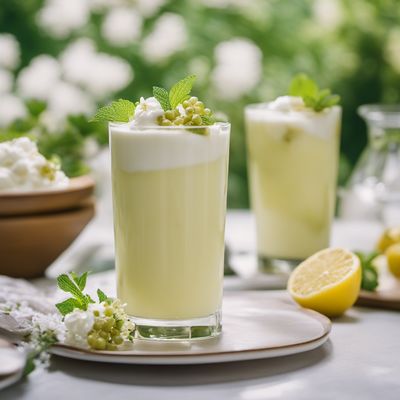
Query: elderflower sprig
{"type": "Point", "coordinates": [101, 325]}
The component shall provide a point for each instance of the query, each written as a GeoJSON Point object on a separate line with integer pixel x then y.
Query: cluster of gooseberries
{"type": "Point", "coordinates": [106, 331]}
{"type": "Point", "coordinates": [194, 110]}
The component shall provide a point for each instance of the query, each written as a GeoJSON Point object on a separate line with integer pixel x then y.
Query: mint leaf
{"type": "Point", "coordinates": [101, 295]}
{"type": "Point", "coordinates": [369, 277]}
{"type": "Point", "coordinates": [303, 86]}
{"type": "Point", "coordinates": [67, 285]}
{"type": "Point", "coordinates": [118, 111]}
{"type": "Point", "coordinates": [80, 280]}
{"type": "Point", "coordinates": [67, 306]}
{"type": "Point", "coordinates": [181, 90]}
{"type": "Point", "coordinates": [162, 96]}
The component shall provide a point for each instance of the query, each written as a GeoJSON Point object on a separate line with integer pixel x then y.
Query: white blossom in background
{"type": "Point", "coordinates": [169, 36]}
{"type": "Point", "coordinates": [11, 108]}
{"type": "Point", "coordinates": [60, 18]}
{"type": "Point", "coordinates": [328, 13]}
{"type": "Point", "coordinates": [392, 49]}
{"type": "Point", "coordinates": [238, 68]}
{"type": "Point", "coordinates": [9, 51]}
{"type": "Point", "coordinates": [6, 81]}
{"type": "Point", "coordinates": [122, 26]}
{"type": "Point", "coordinates": [68, 99]}
{"type": "Point", "coordinates": [149, 7]}
{"type": "Point", "coordinates": [38, 79]}
{"type": "Point", "coordinates": [99, 73]}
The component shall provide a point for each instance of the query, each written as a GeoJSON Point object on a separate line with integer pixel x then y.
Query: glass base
{"type": "Point", "coordinates": [277, 266]}
{"type": "Point", "coordinates": [189, 329]}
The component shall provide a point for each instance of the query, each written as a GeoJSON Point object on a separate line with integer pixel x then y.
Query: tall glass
{"type": "Point", "coordinates": [292, 163]}
{"type": "Point", "coordinates": [169, 199]}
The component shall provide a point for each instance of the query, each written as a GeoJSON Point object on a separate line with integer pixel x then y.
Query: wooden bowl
{"type": "Point", "coordinates": [36, 227]}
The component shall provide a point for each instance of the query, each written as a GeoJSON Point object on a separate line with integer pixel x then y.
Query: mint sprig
{"type": "Point", "coordinates": [75, 285]}
{"type": "Point", "coordinates": [162, 96]}
{"type": "Point", "coordinates": [370, 278]}
{"type": "Point", "coordinates": [314, 97]}
{"type": "Point", "coordinates": [118, 111]}
{"type": "Point", "coordinates": [181, 90]}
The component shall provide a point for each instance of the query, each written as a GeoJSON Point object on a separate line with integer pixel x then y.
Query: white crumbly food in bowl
{"type": "Point", "coordinates": [23, 168]}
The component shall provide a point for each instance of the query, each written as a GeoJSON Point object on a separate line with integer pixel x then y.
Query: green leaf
{"type": "Point", "coordinates": [35, 107]}
{"type": "Point", "coordinates": [80, 280]}
{"type": "Point", "coordinates": [162, 96]}
{"type": "Point", "coordinates": [208, 119]}
{"type": "Point", "coordinates": [68, 306]}
{"type": "Point", "coordinates": [67, 285]}
{"type": "Point", "coordinates": [101, 295]}
{"type": "Point", "coordinates": [369, 277]}
{"type": "Point", "coordinates": [303, 86]}
{"type": "Point", "coordinates": [118, 111]}
{"type": "Point", "coordinates": [181, 90]}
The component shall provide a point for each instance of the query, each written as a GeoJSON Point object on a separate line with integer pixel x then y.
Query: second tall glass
{"type": "Point", "coordinates": [292, 161]}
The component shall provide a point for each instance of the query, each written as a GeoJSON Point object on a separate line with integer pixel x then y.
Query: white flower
{"type": "Point", "coordinates": [238, 69]}
{"type": "Point", "coordinates": [9, 51]}
{"type": "Point", "coordinates": [21, 158]}
{"type": "Point", "coordinates": [11, 108]}
{"type": "Point", "coordinates": [149, 7]}
{"type": "Point", "coordinates": [328, 13]}
{"type": "Point", "coordinates": [392, 50]}
{"type": "Point", "coordinates": [42, 323]}
{"type": "Point", "coordinates": [122, 26]}
{"type": "Point", "coordinates": [147, 112]}
{"type": "Point", "coordinates": [60, 17]}
{"type": "Point", "coordinates": [68, 99]}
{"type": "Point", "coordinates": [168, 37]}
{"type": "Point", "coordinates": [38, 79]}
{"type": "Point", "coordinates": [98, 73]}
{"type": "Point", "coordinates": [6, 81]}
{"type": "Point", "coordinates": [78, 324]}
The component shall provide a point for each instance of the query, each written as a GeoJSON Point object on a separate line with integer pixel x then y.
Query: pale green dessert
{"type": "Point", "coordinates": [292, 162]}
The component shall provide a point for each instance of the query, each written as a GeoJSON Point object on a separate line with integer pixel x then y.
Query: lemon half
{"type": "Point", "coordinates": [327, 282]}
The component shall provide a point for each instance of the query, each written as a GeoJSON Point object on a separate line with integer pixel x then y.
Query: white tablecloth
{"type": "Point", "coordinates": [360, 361]}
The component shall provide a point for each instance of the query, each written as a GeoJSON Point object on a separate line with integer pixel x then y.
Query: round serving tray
{"type": "Point", "coordinates": [255, 325]}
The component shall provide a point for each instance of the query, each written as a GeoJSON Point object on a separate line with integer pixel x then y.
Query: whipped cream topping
{"type": "Point", "coordinates": [165, 148]}
{"type": "Point", "coordinates": [22, 167]}
{"type": "Point", "coordinates": [147, 112]}
{"type": "Point", "coordinates": [287, 103]}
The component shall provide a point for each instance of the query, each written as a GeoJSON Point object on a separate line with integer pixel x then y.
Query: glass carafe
{"type": "Point", "coordinates": [373, 191]}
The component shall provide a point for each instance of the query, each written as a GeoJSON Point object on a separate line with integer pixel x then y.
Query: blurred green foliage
{"type": "Point", "coordinates": [353, 52]}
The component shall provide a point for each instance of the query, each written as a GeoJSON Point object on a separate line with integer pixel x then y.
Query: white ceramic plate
{"type": "Point", "coordinates": [255, 325]}
{"type": "Point", "coordinates": [12, 363]}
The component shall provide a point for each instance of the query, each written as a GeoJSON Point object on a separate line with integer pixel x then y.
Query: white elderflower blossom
{"type": "Point", "coordinates": [168, 37]}
{"type": "Point", "coordinates": [11, 108]}
{"type": "Point", "coordinates": [122, 26]}
{"type": "Point", "coordinates": [392, 49]}
{"type": "Point", "coordinates": [9, 51]}
{"type": "Point", "coordinates": [328, 13]}
{"type": "Point", "coordinates": [6, 81]}
{"type": "Point", "coordinates": [38, 79]}
{"type": "Point", "coordinates": [238, 68]}
{"type": "Point", "coordinates": [68, 99]}
{"type": "Point", "coordinates": [60, 17]}
{"type": "Point", "coordinates": [149, 7]}
{"type": "Point", "coordinates": [98, 73]}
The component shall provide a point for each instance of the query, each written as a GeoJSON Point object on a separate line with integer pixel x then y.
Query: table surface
{"type": "Point", "coordinates": [361, 360]}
